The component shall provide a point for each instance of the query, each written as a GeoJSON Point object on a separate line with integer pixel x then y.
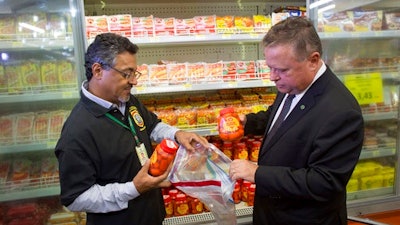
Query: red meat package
{"type": "Point", "coordinates": [203, 174]}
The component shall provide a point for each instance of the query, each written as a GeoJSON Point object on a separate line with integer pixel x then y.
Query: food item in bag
{"type": "Point", "coordinates": [208, 180]}
{"type": "Point", "coordinates": [229, 125]}
{"type": "Point", "coordinates": [162, 157]}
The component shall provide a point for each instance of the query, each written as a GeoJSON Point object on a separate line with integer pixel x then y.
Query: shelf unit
{"type": "Point", "coordinates": [207, 48]}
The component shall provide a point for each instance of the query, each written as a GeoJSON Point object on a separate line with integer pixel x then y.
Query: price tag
{"type": "Point", "coordinates": [366, 88]}
{"type": "Point", "coordinates": [50, 144]}
{"type": "Point", "coordinates": [67, 94]}
{"type": "Point", "coordinates": [188, 86]}
{"type": "Point", "coordinates": [232, 84]}
{"type": "Point", "coordinates": [140, 89]}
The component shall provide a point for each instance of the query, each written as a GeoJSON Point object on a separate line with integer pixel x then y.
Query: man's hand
{"type": "Point", "coordinates": [242, 169]}
{"type": "Point", "coordinates": [189, 139]}
{"type": "Point", "coordinates": [143, 181]}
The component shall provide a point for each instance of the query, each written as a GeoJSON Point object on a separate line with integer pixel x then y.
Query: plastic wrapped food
{"type": "Point", "coordinates": [203, 174]}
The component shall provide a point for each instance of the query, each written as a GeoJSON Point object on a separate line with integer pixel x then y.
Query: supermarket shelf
{"type": "Point", "coordinates": [380, 116]}
{"type": "Point", "coordinates": [378, 192]}
{"type": "Point", "coordinates": [36, 43]}
{"type": "Point", "coordinates": [202, 87]}
{"type": "Point", "coordinates": [361, 35]}
{"type": "Point", "coordinates": [378, 152]}
{"type": "Point", "coordinates": [27, 194]}
{"type": "Point", "coordinates": [27, 147]}
{"type": "Point", "coordinates": [248, 38]}
{"type": "Point", "coordinates": [39, 96]}
{"type": "Point", "coordinates": [243, 215]}
{"type": "Point", "coordinates": [195, 39]}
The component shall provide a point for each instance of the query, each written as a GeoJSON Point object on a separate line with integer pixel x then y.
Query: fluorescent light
{"type": "Point", "coordinates": [318, 3]}
{"type": "Point", "coordinates": [326, 8]}
{"type": "Point", "coordinates": [30, 27]}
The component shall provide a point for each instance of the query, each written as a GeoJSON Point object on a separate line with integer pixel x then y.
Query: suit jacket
{"type": "Point", "coordinates": [303, 170]}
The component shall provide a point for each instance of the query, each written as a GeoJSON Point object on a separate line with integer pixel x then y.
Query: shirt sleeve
{"type": "Point", "coordinates": [103, 199]}
{"type": "Point", "coordinates": [163, 130]}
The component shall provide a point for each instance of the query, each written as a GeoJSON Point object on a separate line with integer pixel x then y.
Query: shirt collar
{"type": "Point", "coordinates": [106, 104]}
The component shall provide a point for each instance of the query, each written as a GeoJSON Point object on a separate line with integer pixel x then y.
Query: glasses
{"type": "Point", "coordinates": [127, 75]}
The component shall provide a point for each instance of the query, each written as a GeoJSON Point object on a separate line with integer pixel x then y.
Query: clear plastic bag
{"type": "Point", "coordinates": [203, 174]}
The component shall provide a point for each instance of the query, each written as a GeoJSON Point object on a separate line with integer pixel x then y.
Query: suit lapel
{"type": "Point", "coordinates": [302, 107]}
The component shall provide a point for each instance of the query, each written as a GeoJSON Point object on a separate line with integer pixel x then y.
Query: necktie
{"type": "Point", "coordinates": [281, 117]}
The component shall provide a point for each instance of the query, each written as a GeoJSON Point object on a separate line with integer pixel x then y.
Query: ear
{"type": "Point", "coordinates": [97, 70]}
{"type": "Point", "coordinates": [314, 59]}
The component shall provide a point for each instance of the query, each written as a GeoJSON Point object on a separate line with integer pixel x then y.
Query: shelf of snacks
{"type": "Point", "coordinates": [377, 152]}
{"type": "Point", "coordinates": [203, 87]}
{"type": "Point", "coordinates": [44, 96]}
{"type": "Point", "coordinates": [376, 192]}
{"type": "Point", "coordinates": [35, 43]}
{"type": "Point", "coordinates": [360, 34]}
{"type": "Point", "coordinates": [195, 39]}
{"type": "Point", "coordinates": [30, 131]}
{"type": "Point", "coordinates": [28, 177]}
{"type": "Point", "coordinates": [371, 178]}
{"type": "Point", "coordinates": [36, 192]}
{"type": "Point", "coordinates": [243, 214]}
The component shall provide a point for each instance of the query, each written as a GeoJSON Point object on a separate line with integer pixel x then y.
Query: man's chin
{"type": "Point", "coordinates": [124, 99]}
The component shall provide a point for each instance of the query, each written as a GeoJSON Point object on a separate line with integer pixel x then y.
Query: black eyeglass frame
{"type": "Point", "coordinates": [127, 75]}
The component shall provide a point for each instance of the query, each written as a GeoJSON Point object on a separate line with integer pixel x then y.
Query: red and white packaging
{"type": "Point", "coordinates": [158, 75]}
{"type": "Point", "coordinates": [57, 119]}
{"type": "Point", "coordinates": [120, 24]}
{"type": "Point", "coordinates": [245, 70]}
{"type": "Point", "coordinates": [7, 128]}
{"type": "Point", "coordinates": [184, 27]}
{"type": "Point", "coordinates": [164, 26]}
{"type": "Point", "coordinates": [143, 26]}
{"type": "Point", "coordinates": [144, 78]}
{"type": "Point", "coordinates": [96, 25]}
{"type": "Point", "coordinates": [177, 73]}
{"type": "Point", "coordinates": [24, 127]}
{"type": "Point", "coordinates": [196, 72]}
{"type": "Point", "coordinates": [229, 71]}
{"type": "Point", "coordinates": [214, 72]}
{"type": "Point", "coordinates": [263, 71]}
{"type": "Point", "coordinates": [205, 24]}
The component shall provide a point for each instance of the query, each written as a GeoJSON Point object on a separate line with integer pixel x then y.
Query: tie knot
{"type": "Point", "coordinates": [290, 97]}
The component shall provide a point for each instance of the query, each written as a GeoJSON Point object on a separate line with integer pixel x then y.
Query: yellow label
{"type": "Point", "coordinates": [367, 88]}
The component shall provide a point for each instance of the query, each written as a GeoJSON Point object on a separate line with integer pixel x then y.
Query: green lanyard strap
{"type": "Point", "coordinates": [132, 128]}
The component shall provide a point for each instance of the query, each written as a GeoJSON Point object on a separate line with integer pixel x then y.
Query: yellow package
{"type": "Point", "coordinates": [3, 80]}
{"type": "Point", "coordinates": [14, 77]}
{"type": "Point", "coordinates": [352, 185]}
{"type": "Point", "coordinates": [244, 24]}
{"type": "Point", "coordinates": [31, 74]}
{"type": "Point", "coordinates": [371, 182]}
{"type": "Point", "coordinates": [262, 23]}
{"type": "Point", "coordinates": [225, 24]}
{"type": "Point", "coordinates": [66, 75]}
{"type": "Point", "coordinates": [48, 73]}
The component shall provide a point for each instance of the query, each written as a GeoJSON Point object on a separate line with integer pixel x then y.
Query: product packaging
{"type": "Point", "coordinates": [203, 174]}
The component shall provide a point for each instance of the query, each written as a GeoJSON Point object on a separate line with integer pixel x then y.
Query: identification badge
{"type": "Point", "coordinates": [142, 153]}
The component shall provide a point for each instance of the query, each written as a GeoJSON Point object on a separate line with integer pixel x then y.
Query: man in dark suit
{"type": "Point", "coordinates": [304, 164]}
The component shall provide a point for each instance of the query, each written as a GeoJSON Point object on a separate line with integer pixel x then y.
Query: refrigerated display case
{"type": "Point", "coordinates": [363, 50]}
{"type": "Point", "coordinates": [361, 43]}
{"type": "Point", "coordinates": [41, 50]}
{"type": "Point", "coordinates": [35, 97]}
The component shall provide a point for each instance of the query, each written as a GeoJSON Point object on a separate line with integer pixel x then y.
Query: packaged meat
{"type": "Point", "coordinates": [24, 127]}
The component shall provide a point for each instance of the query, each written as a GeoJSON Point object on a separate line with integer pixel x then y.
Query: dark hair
{"type": "Point", "coordinates": [296, 31]}
{"type": "Point", "coordinates": [105, 48]}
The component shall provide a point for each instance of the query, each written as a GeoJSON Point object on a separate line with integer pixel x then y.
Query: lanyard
{"type": "Point", "coordinates": [132, 128]}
